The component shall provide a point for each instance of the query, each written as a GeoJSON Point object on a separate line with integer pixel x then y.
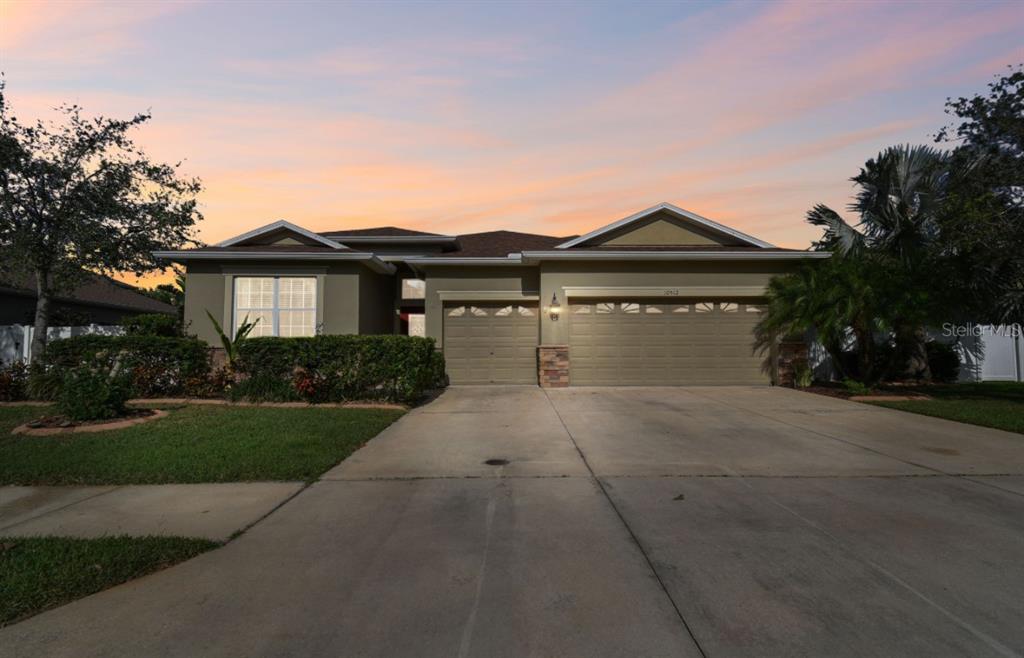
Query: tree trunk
{"type": "Point", "coordinates": [912, 341]}
{"type": "Point", "coordinates": [42, 320]}
{"type": "Point", "coordinates": [865, 353]}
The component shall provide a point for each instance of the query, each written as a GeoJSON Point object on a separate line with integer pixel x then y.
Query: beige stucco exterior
{"type": "Point", "coordinates": [351, 299]}
{"type": "Point", "coordinates": [492, 283]}
{"type": "Point", "coordinates": [491, 301]}
{"type": "Point", "coordinates": [660, 230]}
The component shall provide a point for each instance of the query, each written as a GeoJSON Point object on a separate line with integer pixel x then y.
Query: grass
{"type": "Point", "coordinates": [195, 443]}
{"type": "Point", "coordinates": [38, 573]}
{"type": "Point", "coordinates": [989, 404]}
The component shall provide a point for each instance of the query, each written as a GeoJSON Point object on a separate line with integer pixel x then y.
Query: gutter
{"type": "Point", "coordinates": [372, 261]}
{"type": "Point", "coordinates": [510, 260]}
{"type": "Point", "coordinates": [533, 257]}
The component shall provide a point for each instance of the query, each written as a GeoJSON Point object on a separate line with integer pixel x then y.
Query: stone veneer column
{"type": "Point", "coordinates": [791, 352]}
{"type": "Point", "coordinates": [553, 362]}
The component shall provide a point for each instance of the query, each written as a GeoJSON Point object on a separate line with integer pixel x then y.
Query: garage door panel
{"type": "Point", "coordinates": [682, 342]}
{"type": "Point", "coordinates": [491, 343]}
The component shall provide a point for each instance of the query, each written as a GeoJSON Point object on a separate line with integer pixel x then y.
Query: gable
{"type": "Point", "coordinates": [662, 229]}
{"type": "Point", "coordinates": [280, 232]}
{"type": "Point", "coordinates": [282, 236]}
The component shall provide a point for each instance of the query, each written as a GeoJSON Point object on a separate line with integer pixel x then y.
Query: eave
{"type": "Point", "coordinates": [371, 260]}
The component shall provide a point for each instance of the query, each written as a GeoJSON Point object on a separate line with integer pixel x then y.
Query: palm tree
{"type": "Point", "coordinates": [834, 298]}
{"type": "Point", "coordinates": [899, 204]}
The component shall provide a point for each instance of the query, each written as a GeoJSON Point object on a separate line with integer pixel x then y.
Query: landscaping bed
{"type": "Point", "coordinates": [194, 443]}
{"type": "Point", "coordinates": [39, 573]}
{"type": "Point", "coordinates": [59, 424]}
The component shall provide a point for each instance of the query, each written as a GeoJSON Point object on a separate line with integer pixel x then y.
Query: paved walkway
{"type": "Point", "coordinates": [627, 522]}
{"type": "Point", "coordinates": [213, 511]}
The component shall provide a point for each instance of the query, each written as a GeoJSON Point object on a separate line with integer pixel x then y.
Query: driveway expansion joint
{"type": "Point", "coordinates": [632, 534]}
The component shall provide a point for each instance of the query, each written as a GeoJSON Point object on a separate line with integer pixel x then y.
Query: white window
{"type": "Point", "coordinates": [414, 289]}
{"type": "Point", "coordinates": [417, 324]}
{"type": "Point", "coordinates": [280, 306]}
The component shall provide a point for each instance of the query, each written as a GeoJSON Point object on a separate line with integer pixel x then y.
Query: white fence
{"type": "Point", "coordinates": [990, 353]}
{"type": "Point", "coordinates": [987, 353]}
{"type": "Point", "coordinates": [16, 339]}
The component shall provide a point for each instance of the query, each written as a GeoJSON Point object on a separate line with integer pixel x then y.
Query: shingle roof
{"type": "Point", "coordinates": [500, 243]}
{"type": "Point", "coordinates": [96, 289]}
{"type": "Point", "coordinates": [379, 231]}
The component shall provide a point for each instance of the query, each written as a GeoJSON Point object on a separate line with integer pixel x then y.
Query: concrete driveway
{"type": "Point", "coordinates": [627, 522]}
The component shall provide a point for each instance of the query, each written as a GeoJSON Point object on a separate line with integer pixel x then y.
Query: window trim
{"type": "Point", "coordinates": [275, 310]}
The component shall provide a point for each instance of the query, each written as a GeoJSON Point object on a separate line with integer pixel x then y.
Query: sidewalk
{"type": "Point", "coordinates": [211, 511]}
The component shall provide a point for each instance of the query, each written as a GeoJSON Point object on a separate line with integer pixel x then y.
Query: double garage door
{"type": "Point", "coordinates": [611, 343]}
{"type": "Point", "coordinates": [684, 343]}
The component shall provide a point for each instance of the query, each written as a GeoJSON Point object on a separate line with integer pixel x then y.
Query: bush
{"type": "Point", "coordinates": [338, 368]}
{"type": "Point", "coordinates": [856, 388]}
{"type": "Point", "coordinates": [943, 361]}
{"type": "Point", "coordinates": [13, 382]}
{"type": "Point", "coordinates": [803, 376]}
{"type": "Point", "coordinates": [153, 324]}
{"type": "Point", "coordinates": [156, 366]}
{"type": "Point", "coordinates": [89, 393]}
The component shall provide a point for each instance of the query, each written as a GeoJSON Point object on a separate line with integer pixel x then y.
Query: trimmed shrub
{"type": "Point", "coordinates": [943, 361]}
{"type": "Point", "coordinates": [13, 382]}
{"type": "Point", "coordinates": [155, 366]}
{"type": "Point", "coordinates": [152, 324]}
{"type": "Point", "coordinates": [338, 368]}
{"type": "Point", "coordinates": [93, 394]}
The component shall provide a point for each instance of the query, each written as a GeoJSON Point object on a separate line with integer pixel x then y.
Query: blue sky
{"type": "Point", "coordinates": [544, 117]}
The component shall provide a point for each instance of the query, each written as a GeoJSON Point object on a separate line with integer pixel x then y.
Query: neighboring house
{"type": "Point", "coordinates": [661, 297]}
{"type": "Point", "coordinates": [97, 300]}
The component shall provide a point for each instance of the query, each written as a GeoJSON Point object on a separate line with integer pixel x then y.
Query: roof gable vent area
{"type": "Point", "coordinates": [280, 233]}
{"type": "Point", "coordinates": [665, 225]}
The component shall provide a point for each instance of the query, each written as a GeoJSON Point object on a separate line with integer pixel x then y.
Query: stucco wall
{"type": "Point", "coordinates": [469, 278]}
{"type": "Point", "coordinates": [204, 290]}
{"type": "Point", "coordinates": [726, 275]}
{"type": "Point", "coordinates": [208, 285]}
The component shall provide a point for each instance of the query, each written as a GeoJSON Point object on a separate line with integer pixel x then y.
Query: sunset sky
{"type": "Point", "coordinates": [548, 117]}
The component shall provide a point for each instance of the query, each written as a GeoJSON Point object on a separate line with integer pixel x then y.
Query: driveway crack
{"type": "Point", "coordinates": [629, 529]}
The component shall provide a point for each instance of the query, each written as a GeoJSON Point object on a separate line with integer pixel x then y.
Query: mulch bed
{"type": "Point", "coordinates": [51, 425]}
{"type": "Point", "coordinates": [894, 392]}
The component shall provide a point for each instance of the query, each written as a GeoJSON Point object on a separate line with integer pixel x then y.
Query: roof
{"type": "Point", "coordinates": [379, 231]}
{"type": "Point", "coordinates": [280, 225]}
{"type": "Point", "coordinates": [96, 290]}
{"type": "Point", "coordinates": [499, 244]}
{"type": "Point", "coordinates": [671, 209]}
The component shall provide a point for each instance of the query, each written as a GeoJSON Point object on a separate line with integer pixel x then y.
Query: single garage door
{"type": "Point", "coordinates": [491, 343]}
{"type": "Point", "coordinates": [658, 344]}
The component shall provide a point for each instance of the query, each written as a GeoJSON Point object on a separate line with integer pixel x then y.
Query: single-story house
{"type": "Point", "coordinates": [663, 296]}
{"type": "Point", "coordinates": [96, 299]}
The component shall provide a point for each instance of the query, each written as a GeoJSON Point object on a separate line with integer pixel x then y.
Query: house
{"type": "Point", "coordinates": [96, 300]}
{"type": "Point", "coordinates": [663, 296]}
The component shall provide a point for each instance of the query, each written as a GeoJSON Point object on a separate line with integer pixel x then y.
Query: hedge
{"type": "Point", "coordinates": [157, 365]}
{"type": "Point", "coordinates": [338, 368]}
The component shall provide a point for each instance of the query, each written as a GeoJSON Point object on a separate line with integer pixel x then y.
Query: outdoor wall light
{"type": "Point", "coordinates": [555, 309]}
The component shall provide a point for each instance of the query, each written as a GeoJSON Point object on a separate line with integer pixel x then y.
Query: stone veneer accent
{"type": "Point", "coordinates": [553, 363]}
{"type": "Point", "coordinates": [791, 352]}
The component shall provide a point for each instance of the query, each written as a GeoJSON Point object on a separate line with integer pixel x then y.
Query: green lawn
{"type": "Point", "coordinates": [196, 443]}
{"type": "Point", "coordinates": [39, 573]}
{"type": "Point", "coordinates": [989, 404]}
